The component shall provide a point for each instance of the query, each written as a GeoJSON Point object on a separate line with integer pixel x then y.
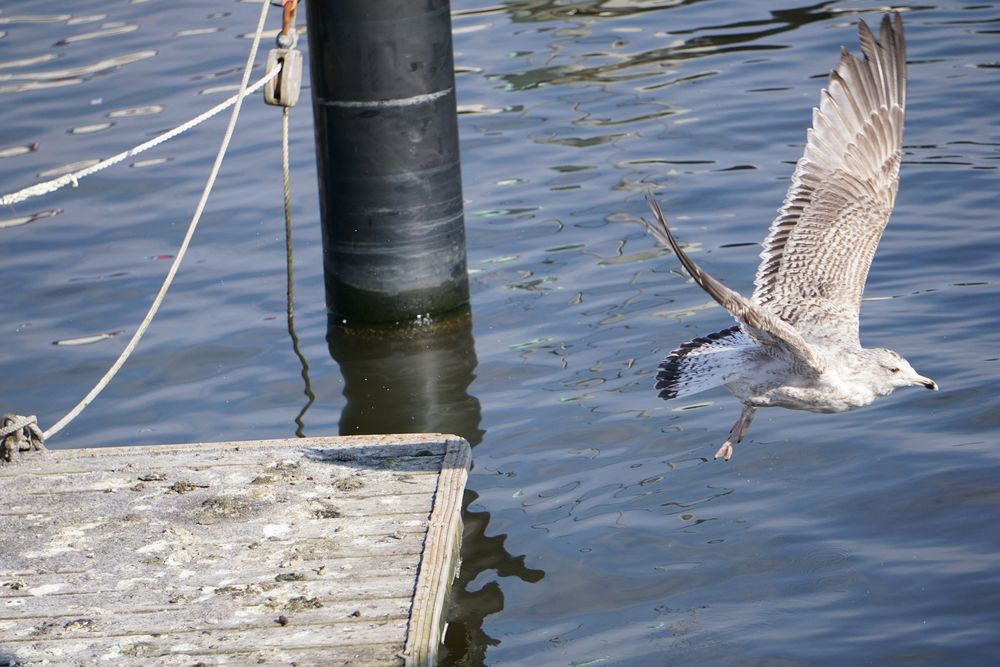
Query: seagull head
{"type": "Point", "coordinates": [898, 371]}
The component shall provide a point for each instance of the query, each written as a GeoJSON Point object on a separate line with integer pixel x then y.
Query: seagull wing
{"type": "Point", "coordinates": [762, 325]}
{"type": "Point", "coordinates": [818, 251]}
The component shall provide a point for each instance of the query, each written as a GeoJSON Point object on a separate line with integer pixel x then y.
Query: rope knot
{"type": "Point", "coordinates": [19, 434]}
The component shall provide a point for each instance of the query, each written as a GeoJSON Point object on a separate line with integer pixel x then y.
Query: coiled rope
{"type": "Point", "coordinates": [18, 434]}
{"type": "Point", "coordinates": [237, 103]}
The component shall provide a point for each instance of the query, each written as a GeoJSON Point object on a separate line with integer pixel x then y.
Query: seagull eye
{"type": "Point", "coordinates": [893, 370]}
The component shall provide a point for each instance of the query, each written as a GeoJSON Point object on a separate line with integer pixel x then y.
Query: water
{"type": "Point", "coordinates": [598, 530]}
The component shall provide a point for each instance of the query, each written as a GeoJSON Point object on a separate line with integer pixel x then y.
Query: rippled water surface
{"type": "Point", "coordinates": [598, 529]}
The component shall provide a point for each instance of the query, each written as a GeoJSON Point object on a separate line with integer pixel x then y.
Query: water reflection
{"type": "Point", "coordinates": [466, 642]}
{"type": "Point", "coordinates": [620, 65]}
{"type": "Point", "coordinates": [67, 76]}
{"type": "Point", "coordinates": [417, 380]}
{"type": "Point", "coordinates": [412, 380]}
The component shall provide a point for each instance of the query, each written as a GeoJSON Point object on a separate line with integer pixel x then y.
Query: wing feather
{"type": "Point", "coordinates": [818, 250]}
{"type": "Point", "coordinates": [758, 322]}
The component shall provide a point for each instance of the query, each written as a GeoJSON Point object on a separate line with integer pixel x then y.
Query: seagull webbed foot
{"type": "Point", "coordinates": [736, 433]}
{"type": "Point", "coordinates": [725, 451]}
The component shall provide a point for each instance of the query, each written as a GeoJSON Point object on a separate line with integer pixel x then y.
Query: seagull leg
{"type": "Point", "coordinates": [737, 432]}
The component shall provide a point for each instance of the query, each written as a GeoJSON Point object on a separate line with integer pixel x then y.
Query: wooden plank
{"type": "Point", "coordinates": [256, 611]}
{"type": "Point", "coordinates": [219, 574]}
{"type": "Point", "coordinates": [317, 551]}
{"type": "Point", "coordinates": [440, 561]}
{"type": "Point", "coordinates": [128, 649]}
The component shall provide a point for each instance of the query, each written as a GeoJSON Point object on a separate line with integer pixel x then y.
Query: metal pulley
{"type": "Point", "coordinates": [283, 90]}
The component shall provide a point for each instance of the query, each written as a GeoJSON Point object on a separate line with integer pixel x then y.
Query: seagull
{"type": "Point", "coordinates": [795, 343]}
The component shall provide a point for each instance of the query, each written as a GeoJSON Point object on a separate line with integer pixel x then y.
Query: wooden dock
{"type": "Point", "coordinates": [313, 551]}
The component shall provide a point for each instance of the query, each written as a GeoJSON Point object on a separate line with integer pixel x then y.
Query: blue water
{"type": "Point", "coordinates": [598, 529]}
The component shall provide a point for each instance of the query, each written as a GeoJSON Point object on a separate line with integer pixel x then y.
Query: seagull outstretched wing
{"type": "Point", "coordinates": [818, 251]}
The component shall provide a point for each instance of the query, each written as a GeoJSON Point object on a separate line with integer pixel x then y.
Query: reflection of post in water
{"type": "Point", "coordinates": [417, 380]}
{"type": "Point", "coordinates": [465, 642]}
{"type": "Point", "coordinates": [408, 380]}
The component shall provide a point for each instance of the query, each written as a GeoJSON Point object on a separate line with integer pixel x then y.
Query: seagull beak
{"type": "Point", "coordinates": [926, 382]}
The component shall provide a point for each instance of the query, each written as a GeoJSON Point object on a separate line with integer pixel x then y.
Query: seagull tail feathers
{"type": "Point", "coordinates": [703, 363]}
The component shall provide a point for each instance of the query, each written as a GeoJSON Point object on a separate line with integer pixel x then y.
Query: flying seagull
{"type": "Point", "coordinates": [795, 344]}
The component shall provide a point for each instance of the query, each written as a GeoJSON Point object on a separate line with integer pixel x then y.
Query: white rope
{"type": "Point", "coordinates": [58, 426]}
{"type": "Point", "coordinates": [17, 423]}
{"type": "Point", "coordinates": [73, 178]}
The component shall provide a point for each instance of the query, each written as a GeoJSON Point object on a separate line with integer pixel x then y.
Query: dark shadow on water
{"type": "Point", "coordinates": [417, 380]}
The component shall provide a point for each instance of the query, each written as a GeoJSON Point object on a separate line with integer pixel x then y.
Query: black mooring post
{"type": "Point", "coordinates": [383, 86]}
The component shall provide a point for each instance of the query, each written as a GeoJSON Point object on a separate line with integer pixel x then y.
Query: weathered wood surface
{"type": "Point", "coordinates": [314, 551]}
